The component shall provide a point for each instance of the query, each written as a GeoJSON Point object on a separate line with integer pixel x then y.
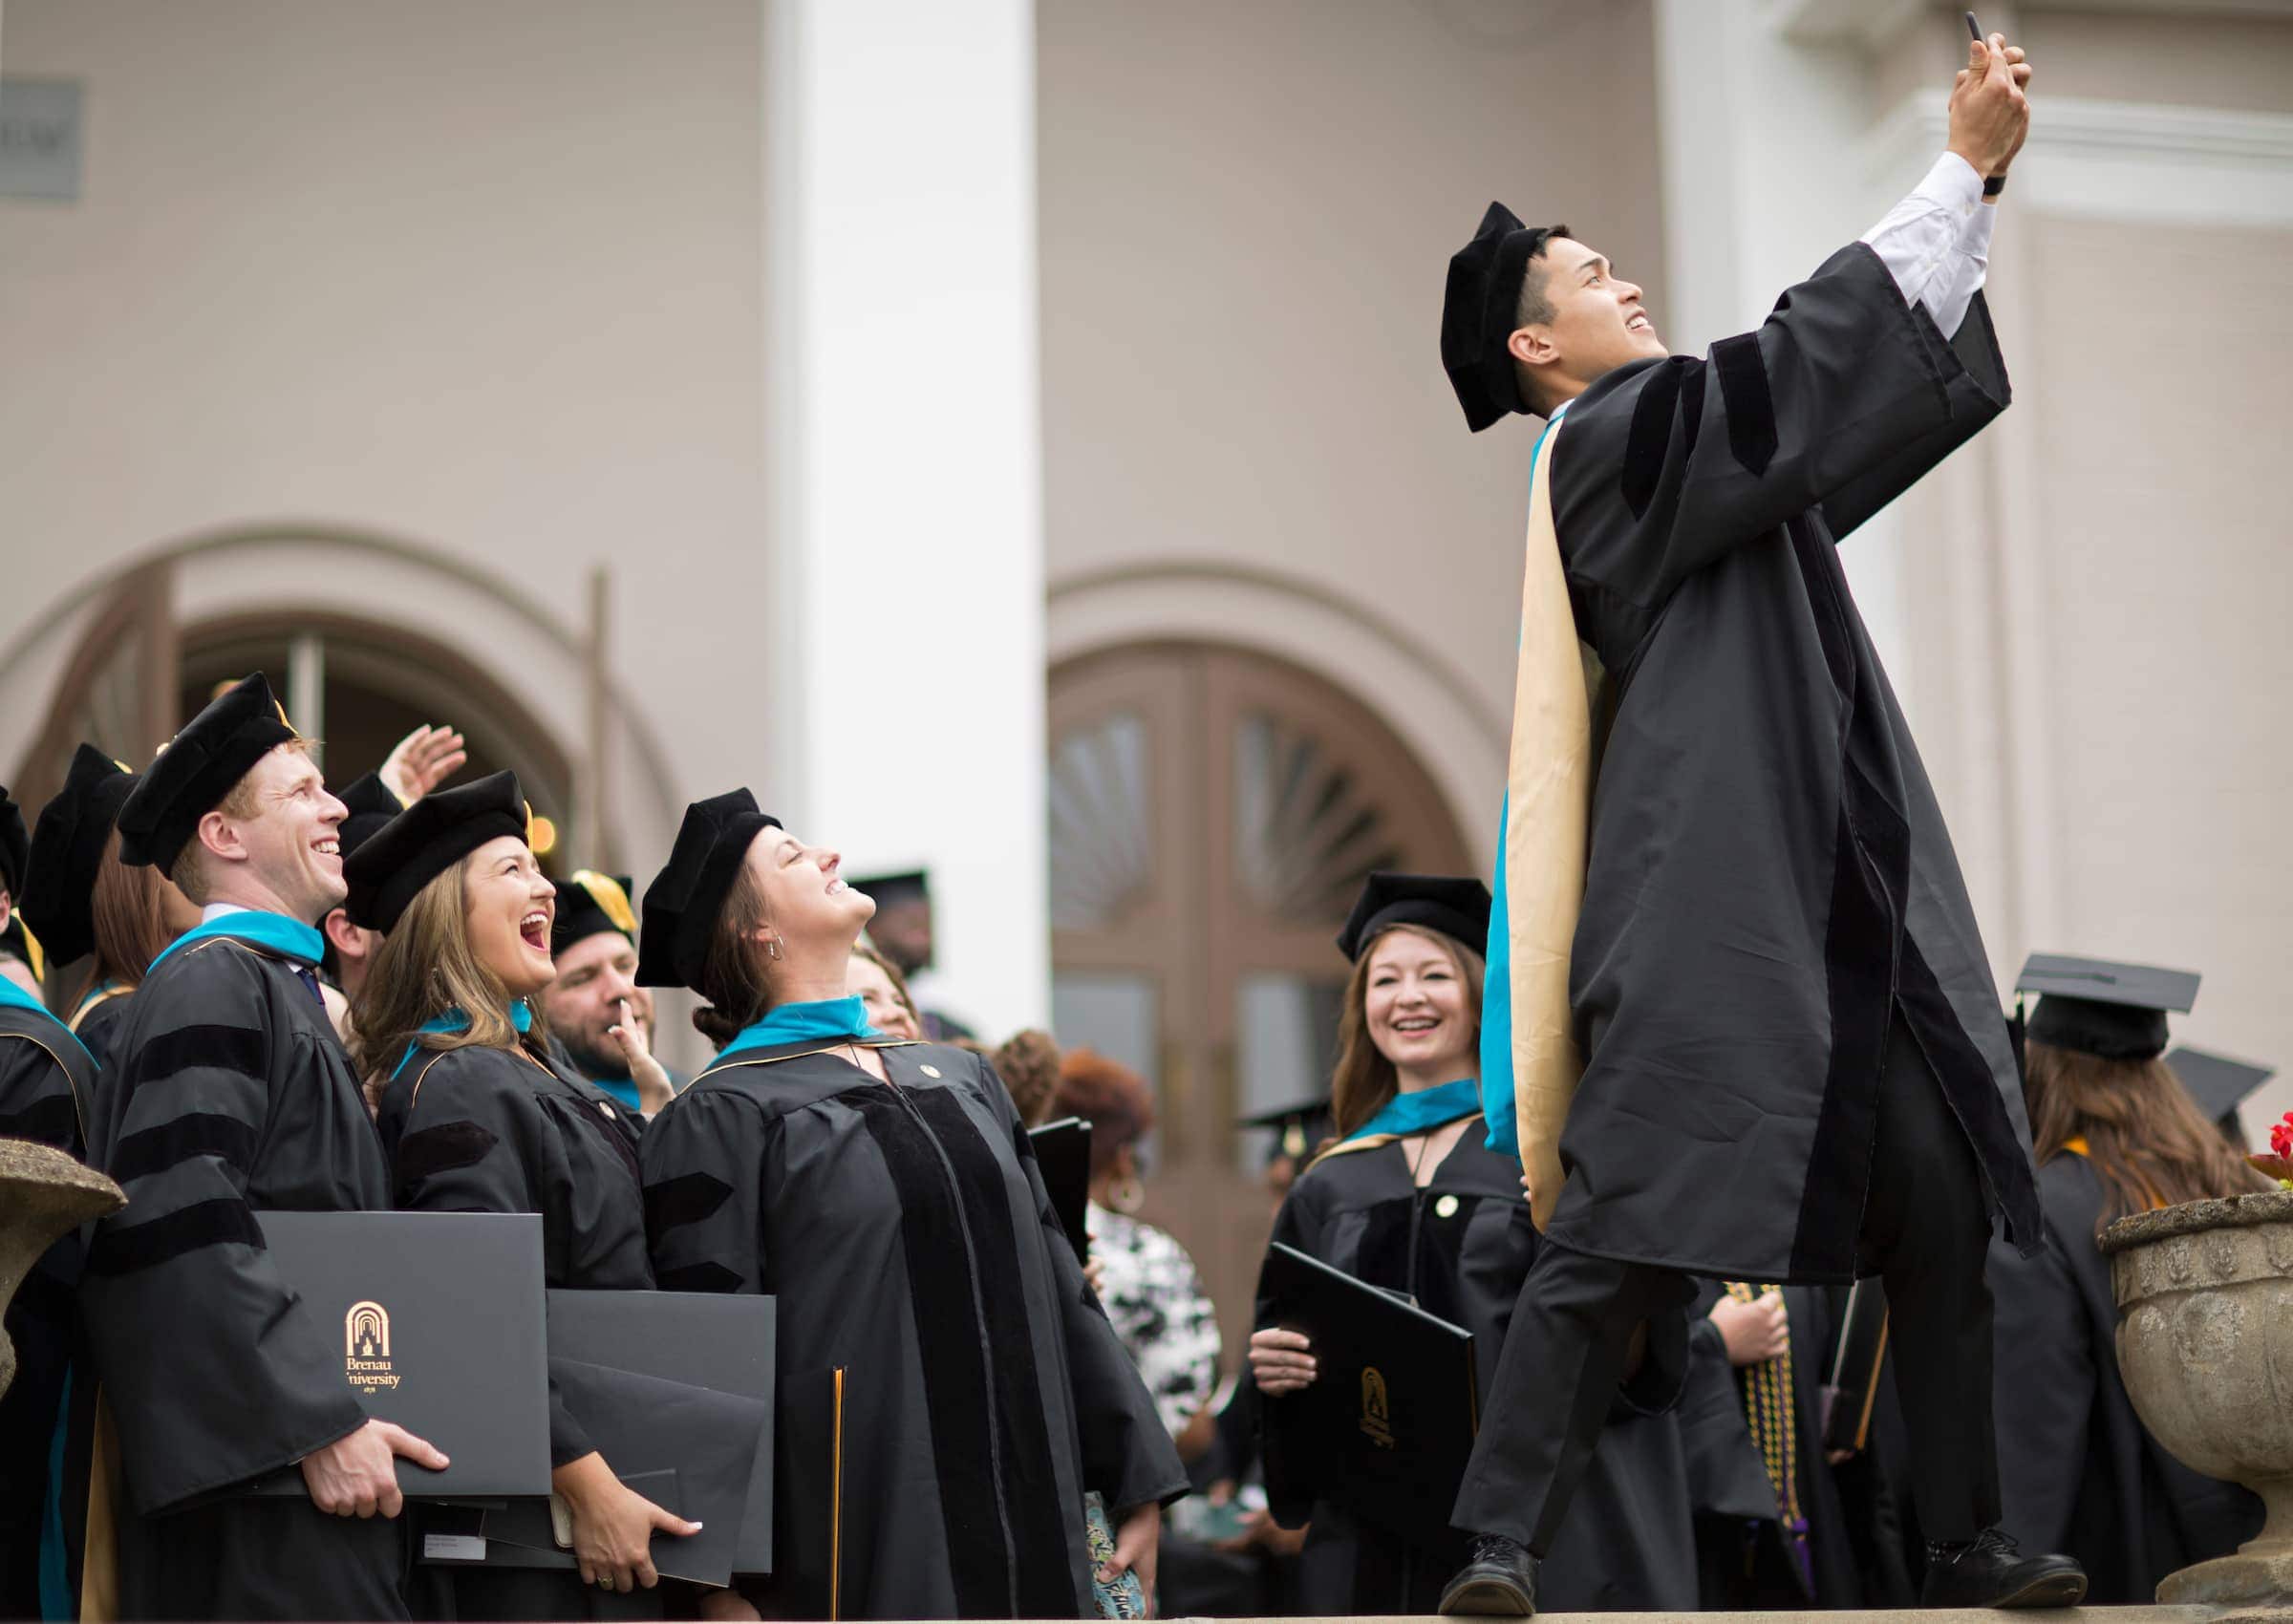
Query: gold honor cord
{"type": "Point", "coordinates": [1770, 1409]}
{"type": "Point", "coordinates": [836, 1509]}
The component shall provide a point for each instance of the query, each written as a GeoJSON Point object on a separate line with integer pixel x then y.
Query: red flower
{"type": "Point", "coordinates": [2278, 1165]}
{"type": "Point", "coordinates": [2280, 1136]}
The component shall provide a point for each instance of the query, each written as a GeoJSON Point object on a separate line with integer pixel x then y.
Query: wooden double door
{"type": "Point", "coordinates": [1213, 813]}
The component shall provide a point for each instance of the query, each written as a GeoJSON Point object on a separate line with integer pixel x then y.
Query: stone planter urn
{"type": "Point", "coordinates": [44, 1194]}
{"type": "Point", "coordinates": [2205, 1343]}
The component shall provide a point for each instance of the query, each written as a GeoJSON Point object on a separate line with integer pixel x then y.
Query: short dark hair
{"type": "Point", "coordinates": [1534, 307]}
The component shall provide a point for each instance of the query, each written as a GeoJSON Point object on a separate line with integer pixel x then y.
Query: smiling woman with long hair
{"type": "Point", "coordinates": [949, 1394]}
{"type": "Point", "coordinates": [1407, 1196]}
{"type": "Point", "coordinates": [475, 1119]}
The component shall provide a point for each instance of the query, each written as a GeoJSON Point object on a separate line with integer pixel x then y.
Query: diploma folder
{"type": "Point", "coordinates": [1385, 1428]}
{"type": "Point", "coordinates": [1063, 1151]}
{"type": "Point", "coordinates": [437, 1317]}
{"type": "Point", "coordinates": [719, 1340]}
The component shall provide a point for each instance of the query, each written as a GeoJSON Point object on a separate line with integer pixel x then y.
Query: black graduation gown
{"type": "Point", "coordinates": [230, 1095]}
{"type": "Point", "coordinates": [2078, 1472]}
{"type": "Point", "coordinates": [98, 1024]}
{"type": "Point", "coordinates": [915, 1255]}
{"type": "Point", "coordinates": [488, 1130]}
{"type": "Point", "coordinates": [1627, 1543]}
{"type": "Point", "coordinates": [46, 1083]}
{"type": "Point", "coordinates": [1768, 870]}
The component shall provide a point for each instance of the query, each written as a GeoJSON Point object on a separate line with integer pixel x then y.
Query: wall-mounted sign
{"type": "Point", "coordinates": [39, 138]}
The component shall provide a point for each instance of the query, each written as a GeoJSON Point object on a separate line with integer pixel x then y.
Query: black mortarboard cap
{"type": "Point", "coordinates": [2116, 1011]}
{"type": "Point", "coordinates": [2217, 1084]}
{"type": "Point", "coordinates": [1477, 314]}
{"type": "Point", "coordinates": [887, 889]}
{"type": "Point", "coordinates": [588, 905]}
{"type": "Point", "coordinates": [1296, 1128]}
{"type": "Point", "coordinates": [424, 840]}
{"type": "Point", "coordinates": [15, 846]}
{"type": "Point", "coordinates": [67, 849]}
{"type": "Point", "coordinates": [1456, 907]}
{"type": "Point", "coordinates": [682, 902]}
{"type": "Point", "coordinates": [197, 769]}
{"type": "Point", "coordinates": [367, 805]}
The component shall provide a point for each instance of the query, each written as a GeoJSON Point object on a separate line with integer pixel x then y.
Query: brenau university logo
{"type": "Point", "coordinates": [1377, 1412]}
{"type": "Point", "coordinates": [366, 1347]}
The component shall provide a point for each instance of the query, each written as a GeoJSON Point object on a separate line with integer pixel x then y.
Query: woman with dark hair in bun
{"type": "Point", "coordinates": [949, 1393]}
{"type": "Point", "coordinates": [474, 1118]}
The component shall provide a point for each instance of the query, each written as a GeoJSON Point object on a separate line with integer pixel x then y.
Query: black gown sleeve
{"type": "Point", "coordinates": [1128, 1456]}
{"type": "Point", "coordinates": [1299, 1226]}
{"type": "Point", "coordinates": [469, 1136]}
{"type": "Point", "coordinates": [44, 1086]}
{"type": "Point", "coordinates": [703, 1161]}
{"type": "Point", "coordinates": [1846, 393]}
{"type": "Point", "coordinates": [179, 1286]}
{"type": "Point", "coordinates": [2046, 1372]}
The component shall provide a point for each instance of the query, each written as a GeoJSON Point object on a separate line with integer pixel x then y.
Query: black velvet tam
{"type": "Point", "coordinates": [16, 846]}
{"type": "Point", "coordinates": [1456, 907]}
{"type": "Point", "coordinates": [367, 805]}
{"type": "Point", "coordinates": [196, 769]}
{"type": "Point", "coordinates": [2217, 1084]}
{"type": "Point", "coordinates": [1477, 314]}
{"type": "Point", "coordinates": [67, 849]}
{"type": "Point", "coordinates": [682, 902]}
{"type": "Point", "coordinates": [2116, 1011]}
{"type": "Point", "coordinates": [591, 904]}
{"type": "Point", "coordinates": [424, 840]}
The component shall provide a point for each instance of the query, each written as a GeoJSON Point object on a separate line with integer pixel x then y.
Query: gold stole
{"type": "Point", "coordinates": [1549, 785]}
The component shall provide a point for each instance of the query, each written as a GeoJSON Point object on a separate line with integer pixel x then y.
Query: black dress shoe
{"type": "Point", "coordinates": [1499, 1582]}
{"type": "Point", "coordinates": [1987, 1571]}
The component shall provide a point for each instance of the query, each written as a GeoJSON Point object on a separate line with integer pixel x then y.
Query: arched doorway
{"type": "Point", "coordinates": [1213, 812]}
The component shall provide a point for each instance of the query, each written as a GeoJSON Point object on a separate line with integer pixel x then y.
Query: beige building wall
{"type": "Point", "coordinates": [483, 280]}
{"type": "Point", "coordinates": [1247, 215]}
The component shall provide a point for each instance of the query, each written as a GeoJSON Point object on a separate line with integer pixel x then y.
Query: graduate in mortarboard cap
{"type": "Point", "coordinates": [935, 1335]}
{"type": "Point", "coordinates": [88, 904]}
{"type": "Point", "coordinates": [229, 1094]}
{"type": "Point", "coordinates": [474, 1118]}
{"type": "Point", "coordinates": [2116, 1132]}
{"type": "Point", "coordinates": [601, 1017]}
{"type": "Point", "coordinates": [47, 1082]}
{"type": "Point", "coordinates": [1410, 1198]}
{"type": "Point", "coordinates": [1761, 974]}
{"type": "Point", "coordinates": [2221, 1085]}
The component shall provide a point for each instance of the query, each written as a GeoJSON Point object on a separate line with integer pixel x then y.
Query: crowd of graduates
{"type": "Point", "coordinates": [269, 996]}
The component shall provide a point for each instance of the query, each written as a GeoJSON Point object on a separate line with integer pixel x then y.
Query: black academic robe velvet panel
{"type": "Point", "coordinates": [1768, 873]}
{"type": "Point", "coordinates": [230, 1095]}
{"type": "Point", "coordinates": [907, 1237]}
{"type": "Point", "coordinates": [1627, 1543]}
{"type": "Point", "coordinates": [2078, 1472]}
{"type": "Point", "coordinates": [46, 1084]}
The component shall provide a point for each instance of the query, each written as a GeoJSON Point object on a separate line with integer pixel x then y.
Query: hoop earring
{"type": "Point", "coordinates": [772, 950]}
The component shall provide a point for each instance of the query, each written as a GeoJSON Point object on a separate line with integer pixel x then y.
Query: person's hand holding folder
{"type": "Point", "coordinates": [1282, 1361]}
{"type": "Point", "coordinates": [612, 1525]}
{"type": "Point", "coordinates": [357, 1474]}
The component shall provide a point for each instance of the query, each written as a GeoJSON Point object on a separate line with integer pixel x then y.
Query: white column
{"type": "Point", "coordinates": [1766, 175]}
{"type": "Point", "coordinates": [905, 709]}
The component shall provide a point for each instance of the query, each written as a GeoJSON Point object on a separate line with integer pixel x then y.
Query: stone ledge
{"type": "Point", "coordinates": [2198, 1217]}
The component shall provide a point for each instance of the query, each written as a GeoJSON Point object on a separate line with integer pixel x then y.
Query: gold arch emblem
{"type": "Point", "coordinates": [366, 1331]}
{"type": "Point", "coordinates": [1377, 1407]}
